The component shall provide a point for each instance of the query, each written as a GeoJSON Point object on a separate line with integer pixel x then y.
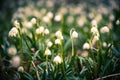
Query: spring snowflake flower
{"type": "Point", "coordinates": [94, 30]}
{"type": "Point", "coordinates": [50, 15]}
{"type": "Point", "coordinates": [58, 34]}
{"type": "Point", "coordinates": [12, 51]}
{"type": "Point", "coordinates": [46, 31]}
{"type": "Point", "coordinates": [104, 44]}
{"type": "Point", "coordinates": [16, 24]}
{"type": "Point", "coordinates": [33, 21]}
{"type": "Point", "coordinates": [57, 60]}
{"type": "Point", "coordinates": [28, 24]}
{"type": "Point", "coordinates": [96, 38]}
{"type": "Point", "coordinates": [117, 22]}
{"type": "Point", "coordinates": [57, 41]}
{"type": "Point", "coordinates": [104, 29]}
{"type": "Point", "coordinates": [86, 46]}
{"type": "Point", "coordinates": [47, 52]}
{"type": "Point", "coordinates": [74, 34]}
{"type": "Point", "coordinates": [49, 44]}
{"type": "Point", "coordinates": [46, 19]}
{"type": "Point", "coordinates": [13, 32]}
{"type": "Point", "coordinates": [94, 23]}
{"type": "Point", "coordinates": [58, 18]}
{"type": "Point", "coordinates": [80, 22]}
{"type": "Point", "coordinates": [15, 62]}
{"type": "Point", "coordinates": [40, 30]}
{"type": "Point", "coordinates": [21, 69]}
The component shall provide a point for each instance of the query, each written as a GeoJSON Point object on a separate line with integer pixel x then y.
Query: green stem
{"type": "Point", "coordinates": [21, 48]}
{"type": "Point", "coordinates": [72, 48]}
{"type": "Point", "coordinates": [63, 64]}
{"type": "Point", "coordinates": [46, 63]}
{"type": "Point", "coordinates": [37, 73]}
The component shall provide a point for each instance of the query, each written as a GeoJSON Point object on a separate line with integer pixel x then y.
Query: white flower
{"type": "Point", "coordinates": [13, 32]}
{"type": "Point", "coordinates": [40, 30]}
{"type": "Point", "coordinates": [20, 69]}
{"type": "Point", "coordinates": [50, 15]}
{"type": "Point", "coordinates": [104, 44]}
{"type": "Point", "coordinates": [86, 46]}
{"type": "Point", "coordinates": [49, 44]}
{"type": "Point", "coordinates": [12, 51]}
{"type": "Point", "coordinates": [80, 22]}
{"type": "Point", "coordinates": [33, 21]}
{"type": "Point", "coordinates": [57, 41]}
{"type": "Point", "coordinates": [47, 52]}
{"type": "Point", "coordinates": [28, 24]}
{"type": "Point", "coordinates": [96, 38]}
{"type": "Point", "coordinates": [46, 31]}
{"type": "Point", "coordinates": [117, 22]}
{"type": "Point", "coordinates": [94, 30]}
{"type": "Point", "coordinates": [46, 19]}
{"type": "Point", "coordinates": [57, 60]}
{"type": "Point", "coordinates": [58, 34]}
{"type": "Point", "coordinates": [94, 23]}
{"type": "Point", "coordinates": [15, 62]}
{"type": "Point", "coordinates": [58, 18]}
{"type": "Point", "coordinates": [104, 29]}
{"type": "Point", "coordinates": [74, 34]}
{"type": "Point", "coordinates": [17, 24]}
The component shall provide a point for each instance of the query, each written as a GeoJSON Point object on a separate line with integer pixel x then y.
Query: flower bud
{"type": "Point", "coordinates": [21, 69]}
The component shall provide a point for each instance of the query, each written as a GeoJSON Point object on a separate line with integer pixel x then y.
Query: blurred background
{"type": "Point", "coordinates": [24, 10]}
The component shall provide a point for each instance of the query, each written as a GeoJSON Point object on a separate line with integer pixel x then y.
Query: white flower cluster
{"type": "Point", "coordinates": [42, 30]}
{"type": "Point", "coordinates": [104, 29]}
{"type": "Point", "coordinates": [59, 36]}
{"type": "Point", "coordinates": [47, 18]}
